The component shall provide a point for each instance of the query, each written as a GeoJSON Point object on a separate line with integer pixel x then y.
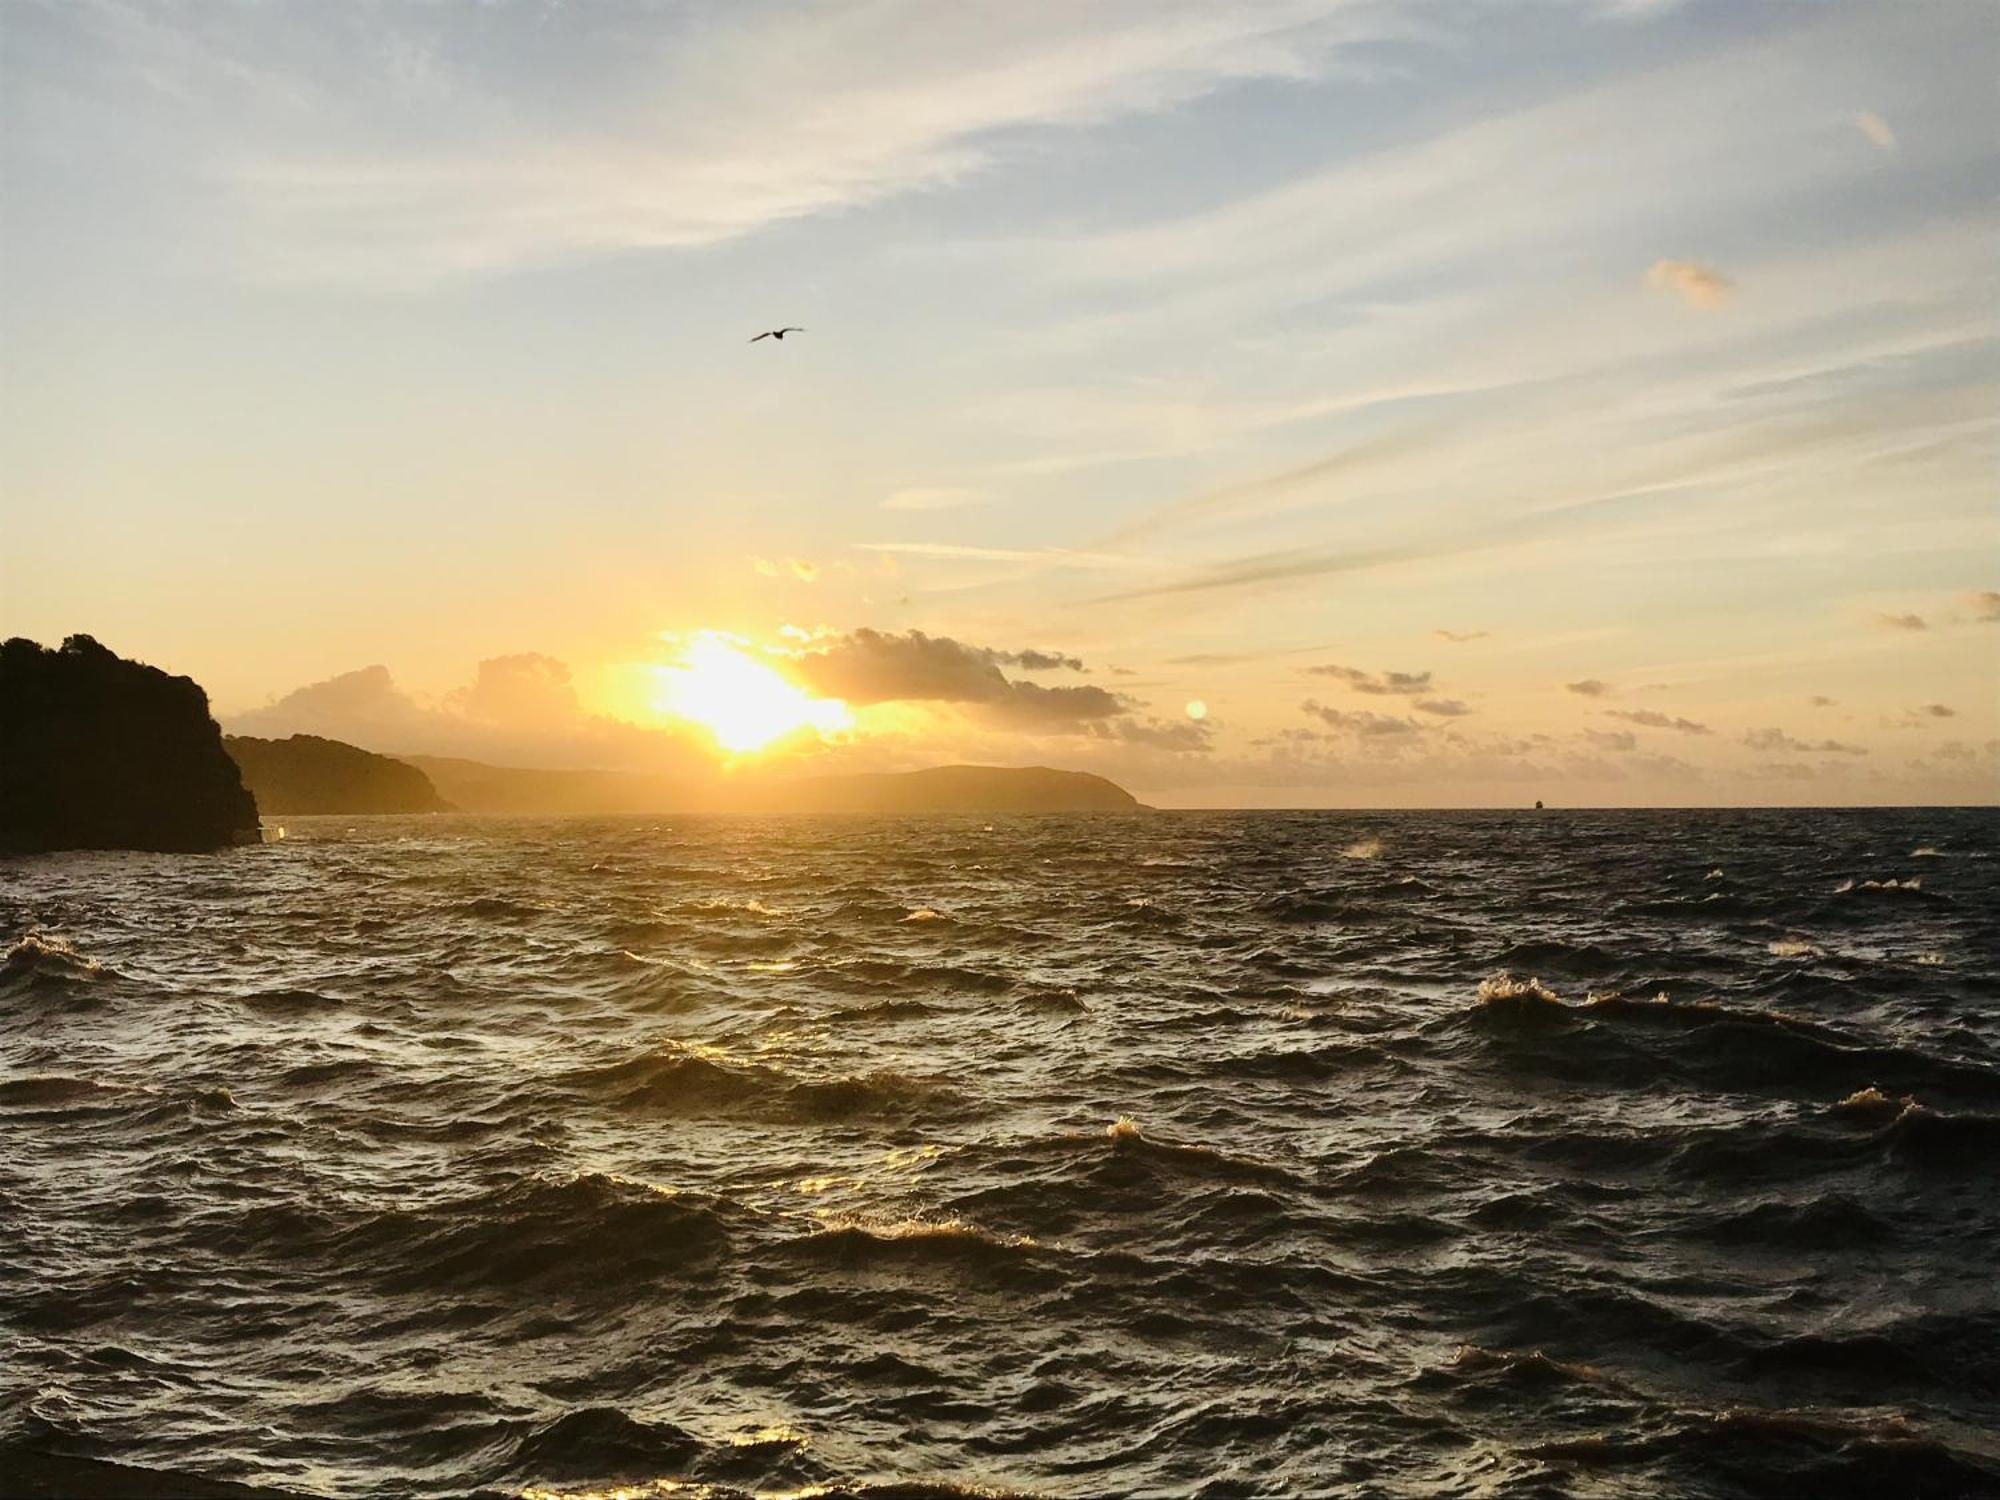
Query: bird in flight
{"type": "Point", "coordinates": [777, 333]}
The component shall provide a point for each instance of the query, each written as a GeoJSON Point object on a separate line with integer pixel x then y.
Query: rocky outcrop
{"type": "Point", "coordinates": [97, 752]}
{"type": "Point", "coordinates": [306, 774]}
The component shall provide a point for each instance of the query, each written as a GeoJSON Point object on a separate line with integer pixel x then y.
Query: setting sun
{"type": "Point", "coordinates": [744, 703]}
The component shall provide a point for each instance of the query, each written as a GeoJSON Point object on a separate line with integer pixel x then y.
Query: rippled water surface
{"type": "Point", "coordinates": [1231, 1154]}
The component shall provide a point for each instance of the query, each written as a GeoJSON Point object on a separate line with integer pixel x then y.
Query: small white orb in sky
{"type": "Point", "coordinates": [1197, 709]}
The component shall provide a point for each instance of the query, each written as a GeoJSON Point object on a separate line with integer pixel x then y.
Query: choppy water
{"type": "Point", "coordinates": [1168, 1155]}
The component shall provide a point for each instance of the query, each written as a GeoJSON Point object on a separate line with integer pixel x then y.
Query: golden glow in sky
{"type": "Point", "coordinates": [744, 703]}
{"type": "Point", "coordinates": [1481, 436]}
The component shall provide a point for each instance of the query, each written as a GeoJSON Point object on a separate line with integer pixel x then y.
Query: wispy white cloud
{"type": "Point", "coordinates": [1775, 740]}
{"type": "Point", "coordinates": [933, 498]}
{"type": "Point", "coordinates": [1697, 285]}
{"type": "Point", "coordinates": [1058, 557]}
{"type": "Point", "coordinates": [710, 124]}
{"type": "Point", "coordinates": [1647, 718]}
{"type": "Point", "coordinates": [1876, 129]}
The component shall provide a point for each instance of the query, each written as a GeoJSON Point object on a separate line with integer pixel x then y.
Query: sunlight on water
{"type": "Point", "coordinates": [673, 1157]}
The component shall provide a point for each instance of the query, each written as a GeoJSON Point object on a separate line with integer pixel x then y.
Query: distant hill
{"type": "Point", "coordinates": [952, 789]}
{"type": "Point", "coordinates": [476, 787]}
{"type": "Point", "coordinates": [97, 752]}
{"type": "Point", "coordinates": [307, 774]}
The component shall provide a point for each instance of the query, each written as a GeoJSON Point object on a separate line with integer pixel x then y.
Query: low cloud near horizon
{"type": "Point", "coordinates": [866, 666]}
{"type": "Point", "coordinates": [519, 710]}
{"type": "Point", "coordinates": [524, 709]}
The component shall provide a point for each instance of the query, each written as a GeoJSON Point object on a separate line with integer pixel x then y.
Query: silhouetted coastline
{"type": "Point", "coordinates": [475, 787]}
{"type": "Point", "coordinates": [97, 752]}
{"type": "Point", "coordinates": [305, 774]}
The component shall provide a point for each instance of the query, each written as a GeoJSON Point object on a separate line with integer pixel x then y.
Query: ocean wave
{"type": "Point", "coordinates": [949, 1244]}
{"type": "Point", "coordinates": [682, 1080]}
{"type": "Point", "coordinates": [1742, 1045]}
{"type": "Point", "coordinates": [1056, 1000]}
{"type": "Point", "coordinates": [1582, 960]}
{"type": "Point", "coordinates": [1526, 1367]}
{"type": "Point", "coordinates": [288, 1001]}
{"type": "Point", "coordinates": [1794, 947]}
{"type": "Point", "coordinates": [1306, 1064]}
{"type": "Point", "coordinates": [1294, 908]}
{"type": "Point", "coordinates": [505, 908]}
{"type": "Point", "coordinates": [1512, 1001]}
{"type": "Point", "coordinates": [45, 1091]}
{"type": "Point", "coordinates": [602, 1443]}
{"type": "Point", "coordinates": [887, 1010]}
{"type": "Point", "coordinates": [1131, 1144]}
{"type": "Point", "coordinates": [43, 960]}
{"type": "Point", "coordinates": [691, 1165]}
{"type": "Point", "coordinates": [591, 1231]}
{"type": "Point", "coordinates": [1791, 1452]}
{"type": "Point", "coordinates": [1816, 1224]}
{"type": "Point", "coordinates": [873, 974]}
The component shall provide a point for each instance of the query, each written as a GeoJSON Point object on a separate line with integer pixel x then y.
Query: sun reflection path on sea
{"type": "Point", "coordinates": [745, 703]}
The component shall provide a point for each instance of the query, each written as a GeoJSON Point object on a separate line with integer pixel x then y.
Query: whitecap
{"type": "Point", "coordinates": [1501, 988]}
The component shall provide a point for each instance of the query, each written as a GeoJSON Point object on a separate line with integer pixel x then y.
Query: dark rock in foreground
{"type": "Point", "coordinates": [97, 752]}
{"type": "Point", "coordinates": [307, 774]}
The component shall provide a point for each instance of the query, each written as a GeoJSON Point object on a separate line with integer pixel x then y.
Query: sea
{"type": "Point", "coordinates": [1636, 1153]}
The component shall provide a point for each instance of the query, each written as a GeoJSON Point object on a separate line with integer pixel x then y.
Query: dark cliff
{"type": "Point", "coordinates": [97, 752]}
{"type": "Point", "coordinates": [307, 774]}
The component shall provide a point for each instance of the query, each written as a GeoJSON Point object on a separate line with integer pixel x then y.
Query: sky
{"type": "Point", "coordinates": [1287, 403]}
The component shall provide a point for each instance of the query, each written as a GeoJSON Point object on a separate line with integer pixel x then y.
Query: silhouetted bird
{"type": "Point", "coordinates": [777, 333]}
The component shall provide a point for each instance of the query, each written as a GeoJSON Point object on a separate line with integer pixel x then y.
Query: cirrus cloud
{"type": "Point", "coordinates": [1647, 718]}
{"type": "Point", "coordinates": [1399, 684]}
{"type": "Point", "coordinates": [1699, 286]}
{"type": "Point", "coordinates": [1361, 722]}
{"type": "Point", "coordinates": [1876, 129]}
{"type": "Point", "coordinates": [1775, 740]}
